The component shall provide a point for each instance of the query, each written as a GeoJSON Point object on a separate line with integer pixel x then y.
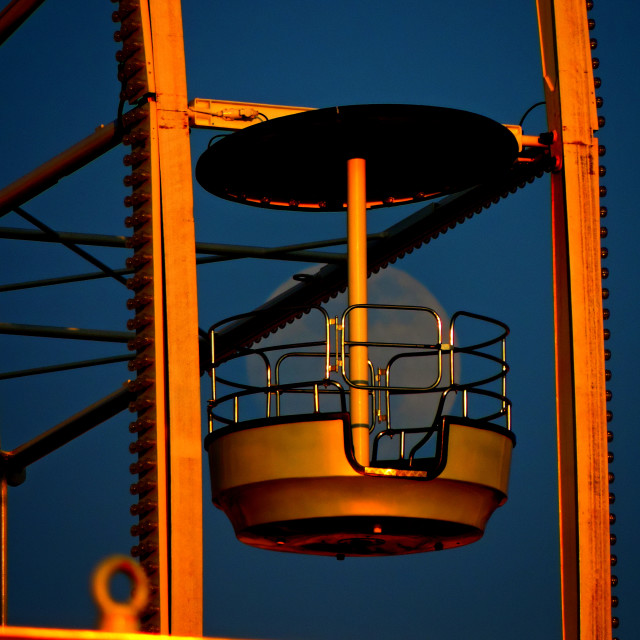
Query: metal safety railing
{"type": "Point", "coordinates": [412, 384]}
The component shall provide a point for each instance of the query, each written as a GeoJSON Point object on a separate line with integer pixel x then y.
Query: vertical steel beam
{"type": "Point", "coordinates": [580, 382]}
{"type": "Point", "coordinates": [184, 444]}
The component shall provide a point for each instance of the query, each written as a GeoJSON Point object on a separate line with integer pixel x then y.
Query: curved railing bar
{"type": "Point", "coordinates": [434, 424]}
{"type": "Point", "coordinates": [476, 316]}
{"type": "Point", "coordinates": [400, 356]}
{"type": "Point", "coordinates": [505, 411]}
{"type": "Point", "coordinates": [380, 379]}
{"type": "Point", "coordinates": [283, 388]}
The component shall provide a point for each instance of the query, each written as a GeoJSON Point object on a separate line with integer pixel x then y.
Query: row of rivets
{"type": "Point", "coordinates": [604, 253]}
{"type": "Point", "coordinates": [136, 134]}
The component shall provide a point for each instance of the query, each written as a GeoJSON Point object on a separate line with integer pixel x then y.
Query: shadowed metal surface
{"type": "Point", "coordinates": [413, 153]}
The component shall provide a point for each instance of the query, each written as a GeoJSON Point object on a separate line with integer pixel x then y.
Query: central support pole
{"type": "Point", "coordinates": [357, 266]}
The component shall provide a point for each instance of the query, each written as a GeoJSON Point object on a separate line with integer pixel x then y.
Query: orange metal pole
{"type": "Point", "coordinates": [357, 266]}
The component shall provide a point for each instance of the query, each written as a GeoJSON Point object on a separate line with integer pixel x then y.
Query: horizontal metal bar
{"type": "Point", "coordinates": [229, 115]}
{"type": "Point", "coordinates": [261, 253]}
{"type": "Point", "coordinates": [82, 277]}
{"type": "Point", "coordinates": [104, 138]}
{"type": "Point", "coordinates": [93, 239]}
{"type": "Point", "coordinates": [72, 246]}
{"type": "Point", "coordinates": [68, 366]}
{"type": "Point", "coordinates": [45, 282]}
{"type": "Point", "coordinates": [238, 249]}
{"type": "Point", "coordinates": [72, 333]}
{"type": "Point", "coordinates": [223, 250]}
{"type": "Point", "coordinates": [15, 461]}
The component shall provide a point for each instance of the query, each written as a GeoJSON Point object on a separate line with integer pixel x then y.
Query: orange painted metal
{"type": "Point", "coordinates": [3, 551]}
{"type": "Point", "coordinates": [229, 115]}
{"type": "Point", "coordinates": [357, 266]}
{"type": "Point", "coordinates": [38, 633]}
{"type": "Point", "coordinates": [580, 382]}
{"type": "Point", "coordinates": [117, 615]}
{"type": "Point", "coordinates": [181, 324]}
{"type": "Point", "coordinates": [167, 381]}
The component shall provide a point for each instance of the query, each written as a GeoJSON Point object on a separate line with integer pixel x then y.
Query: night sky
{"type": "Point", "coordinates": [58, 73]}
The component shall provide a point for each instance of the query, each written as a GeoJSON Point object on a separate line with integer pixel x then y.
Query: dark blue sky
{"type": "Point", "coordinates": [59, 78]}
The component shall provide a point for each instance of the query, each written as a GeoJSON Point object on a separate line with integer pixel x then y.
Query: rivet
{"type": "Point", "coordinates": [143, 549]}
{"type": "Point", "coordinates": [139, 301]}
{"type": "Point", "coordinates": [139, 321]}
{"type": "Point", "coordinates": [140, 425]}
{"type": "Point", "coordinates": [142, 487]}
{"type": "Point", "coordinates": [141, 466]}
{"type": "Point", "coordinates": [142, 507]}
